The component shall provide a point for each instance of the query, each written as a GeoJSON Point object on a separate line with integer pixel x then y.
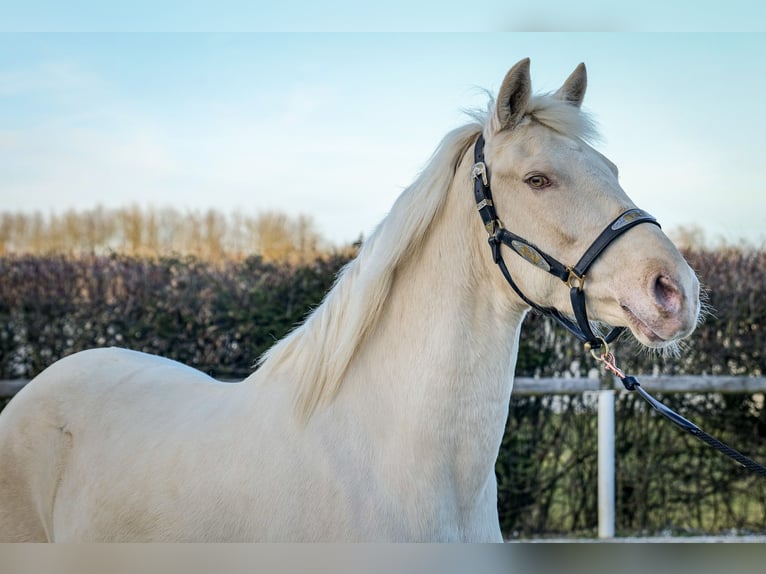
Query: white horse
{"type": "Point", "coordinates": [380, 418]}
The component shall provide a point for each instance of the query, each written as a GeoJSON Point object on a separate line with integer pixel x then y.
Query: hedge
{"type": "Point", "coordinates": [220, 317]}
{"type": "Point", "coordinates": [216, 317]}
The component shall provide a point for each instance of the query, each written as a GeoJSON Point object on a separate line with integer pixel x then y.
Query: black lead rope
{"type": "Point", "coordinates": [631, 383]}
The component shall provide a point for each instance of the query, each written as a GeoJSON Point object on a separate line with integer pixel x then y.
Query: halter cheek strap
{"type": "Point", "coordinates": [573, 276]}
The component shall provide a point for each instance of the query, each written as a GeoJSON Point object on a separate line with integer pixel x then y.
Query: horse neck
{"type": "Point", "coordinates": [437, 369]}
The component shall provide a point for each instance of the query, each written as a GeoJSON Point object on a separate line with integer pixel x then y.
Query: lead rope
{"type": "Point", "coordinates": [631, 383]}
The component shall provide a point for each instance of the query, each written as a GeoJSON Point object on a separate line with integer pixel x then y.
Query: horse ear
{"type": "Point", "coordinates": [573, 90]}
{"type": "Point", "coordinates": [514, 95]}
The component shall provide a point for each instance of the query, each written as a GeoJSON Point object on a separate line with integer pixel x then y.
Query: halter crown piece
{"type": "Point", "coordinates": [573, 276]}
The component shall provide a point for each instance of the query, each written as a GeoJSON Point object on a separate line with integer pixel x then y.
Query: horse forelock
{"type": "Point", "coordinates": [318, 352]}
{"type": "Point", "coordinates": [553, 113]}
{"type": "Point", "coordinates": [563, 117]}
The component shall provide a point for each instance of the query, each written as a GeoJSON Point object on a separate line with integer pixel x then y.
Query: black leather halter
{"type": "Point", "coordinates": [573, 276]}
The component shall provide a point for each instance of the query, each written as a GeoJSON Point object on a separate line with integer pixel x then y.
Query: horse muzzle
{"type": "Point", "coordinates": [667, 309]}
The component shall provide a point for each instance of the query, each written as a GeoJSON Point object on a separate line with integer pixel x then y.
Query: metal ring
{"type": "Point", "coordinates": [604, 346]}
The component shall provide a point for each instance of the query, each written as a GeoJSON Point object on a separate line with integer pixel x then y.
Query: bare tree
{"type": "Point", "coordinates": [132, 230]}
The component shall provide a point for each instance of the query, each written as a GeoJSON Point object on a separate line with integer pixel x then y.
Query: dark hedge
{"type": "Point", "coordinates": [220, 317]}
{"type": "Point", "coordinates": [217, 317]}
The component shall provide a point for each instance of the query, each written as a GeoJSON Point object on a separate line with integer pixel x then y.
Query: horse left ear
{"type": "Point", "coordinates": [513, 97]}
{"type": "Point", "coordinates": [573, 90]}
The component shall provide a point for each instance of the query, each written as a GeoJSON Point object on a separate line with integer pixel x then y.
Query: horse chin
{"type": "Point", "coordinates": [642, 331]}
{"type": "Point", "coordinates": [651, 334]}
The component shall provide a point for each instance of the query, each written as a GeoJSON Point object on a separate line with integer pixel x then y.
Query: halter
{"type": "Point", "coordinates": [572, 276]}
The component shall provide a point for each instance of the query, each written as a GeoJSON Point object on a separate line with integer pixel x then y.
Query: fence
{"type": "Point", "coordinates": [604, 391]}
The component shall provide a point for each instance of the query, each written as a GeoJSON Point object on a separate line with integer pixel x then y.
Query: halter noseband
{"type": "Point", "coordinates": [573, 276]}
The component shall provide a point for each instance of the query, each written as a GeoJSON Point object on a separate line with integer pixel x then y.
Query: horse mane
{"type": "Point", "coordinates": [318, 352]}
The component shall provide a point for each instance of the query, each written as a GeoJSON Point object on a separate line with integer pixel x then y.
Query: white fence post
{"type": "Point", "coordinates": [606, 463]}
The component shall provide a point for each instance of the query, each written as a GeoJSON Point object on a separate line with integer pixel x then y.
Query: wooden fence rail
{"type": "Point", "coordinates": [10, 388]}
{"type": "Point", "coordinates": [660, 384]}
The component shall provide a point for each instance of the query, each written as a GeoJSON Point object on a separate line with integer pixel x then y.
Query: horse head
{"type": "Point", "coordinates": [554, 198]}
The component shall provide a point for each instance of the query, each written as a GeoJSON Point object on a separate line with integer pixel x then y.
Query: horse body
{"type": "Point", "coordinates": [381, 417]}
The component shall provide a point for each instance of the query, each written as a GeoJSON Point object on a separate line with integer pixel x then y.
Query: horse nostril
{"type": "Point", "coordinates": [668, 294]}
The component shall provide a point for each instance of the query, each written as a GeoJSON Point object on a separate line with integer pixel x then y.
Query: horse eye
{"type": "Point", "coordinates": [537, 181]}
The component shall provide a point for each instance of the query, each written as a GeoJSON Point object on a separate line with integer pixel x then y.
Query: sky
{"type": "Point", "coordinates": [337, 124]}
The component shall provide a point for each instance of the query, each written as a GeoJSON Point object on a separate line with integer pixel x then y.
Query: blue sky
{"type": "Point", "coordinates": [337, 124]}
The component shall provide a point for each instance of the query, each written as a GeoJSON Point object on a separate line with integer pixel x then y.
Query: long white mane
{"type": "Point", "coordinates": [318, 352]}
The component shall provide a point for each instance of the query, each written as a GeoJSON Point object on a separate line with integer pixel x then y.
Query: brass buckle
{"type": "Point", "coordinates": [575, 281]}
{"type": "Point", "coordinates": [494, 226]}
{"type": "Point", "coordinates": [484, 203]}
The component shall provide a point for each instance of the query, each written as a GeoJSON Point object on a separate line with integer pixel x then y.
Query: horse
{"type": "Point", "coordinates": [380, 417]}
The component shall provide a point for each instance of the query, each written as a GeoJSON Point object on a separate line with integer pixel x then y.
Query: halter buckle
{"type": "Point", "coordinates": [493, 228]}
{"type": "Point", "coordinates": [480, 171]}
{"type": "Point", "coordinates": [484, 203]}
{"type": "Point", "coordinates": [575, 281]}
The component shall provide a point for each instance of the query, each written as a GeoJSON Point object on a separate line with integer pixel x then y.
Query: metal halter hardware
{"type": "Point", "coordinates": [573, 276]}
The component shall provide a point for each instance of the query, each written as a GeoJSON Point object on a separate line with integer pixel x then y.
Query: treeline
{"type": "Point", "coordinates": [209, 235]}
